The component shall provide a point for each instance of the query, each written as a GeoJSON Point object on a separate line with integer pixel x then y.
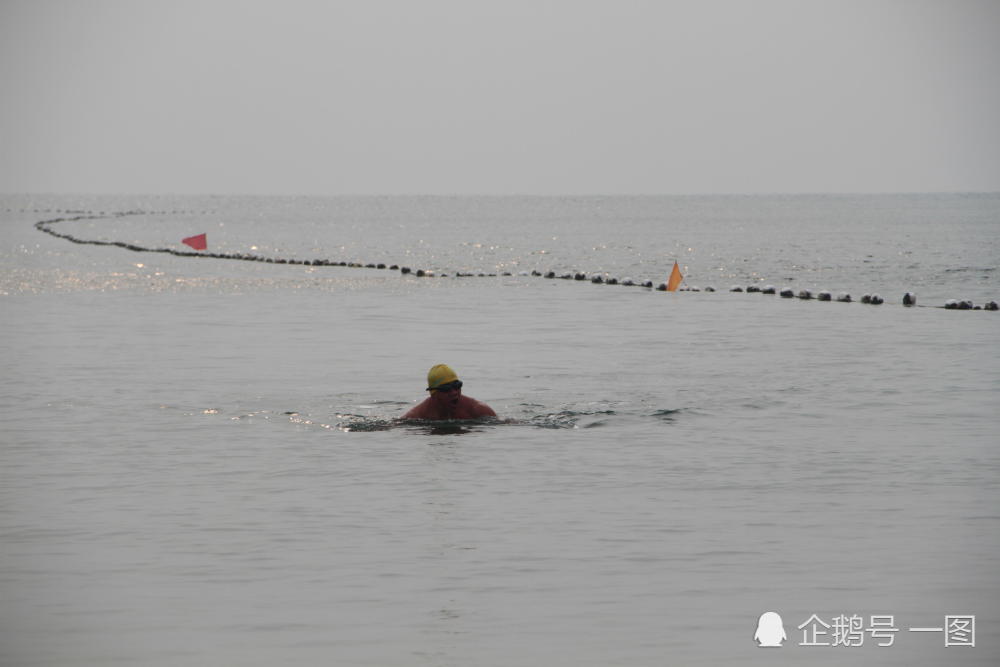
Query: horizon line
{"type": "Point", "coordinates": [503, 195]}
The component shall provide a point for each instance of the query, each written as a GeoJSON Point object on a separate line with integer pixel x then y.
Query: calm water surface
{"type": "Point", "coordinates": [200, 462]}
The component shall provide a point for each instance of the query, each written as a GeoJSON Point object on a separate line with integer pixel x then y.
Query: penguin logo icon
{"type": "Point", "coordinates": [770, 631]}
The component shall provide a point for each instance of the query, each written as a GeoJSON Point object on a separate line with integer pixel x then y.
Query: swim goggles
{"type": "Point", "coordinates": [451, 386]}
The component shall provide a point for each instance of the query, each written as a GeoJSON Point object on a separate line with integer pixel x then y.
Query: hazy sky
{"type": "Point", "coordinates": [505, 97]}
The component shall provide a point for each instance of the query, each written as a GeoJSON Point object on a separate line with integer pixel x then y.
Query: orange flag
{"type": "Point", "coordinates": [199, 242]}
{"type": "Point", "coordinates": [675, 279]}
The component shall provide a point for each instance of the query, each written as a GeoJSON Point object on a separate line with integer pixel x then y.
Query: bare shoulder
{"type": "Point", "coordinates": [480, 409]}
{"type": "Point", "coordinates": [418, 411]}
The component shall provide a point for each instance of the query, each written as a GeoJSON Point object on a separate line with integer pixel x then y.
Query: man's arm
{"type": "Point", "coordinates": [418, 411]}
{"type": "Point", "coordinates": [483, 410]}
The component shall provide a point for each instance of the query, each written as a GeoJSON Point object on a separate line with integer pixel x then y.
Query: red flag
{"type": "Point", "coordinates": [199, 242]}
{"type": "Point", "coordinates": [675, 279]}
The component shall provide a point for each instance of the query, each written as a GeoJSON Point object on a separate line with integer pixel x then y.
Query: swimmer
{"type": "Point", "coordinates": [446, 400]}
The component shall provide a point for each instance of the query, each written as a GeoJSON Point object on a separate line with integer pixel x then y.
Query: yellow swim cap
{"type": "Point", "coordinates": [439, 375]}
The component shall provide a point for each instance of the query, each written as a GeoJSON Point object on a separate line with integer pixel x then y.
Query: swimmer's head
{"type": "Point", "coordinates": [440, 375]}
{"type": "Point", "coordinates": [770, 630]}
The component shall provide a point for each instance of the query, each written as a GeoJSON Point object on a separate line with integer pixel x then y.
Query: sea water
{"type": "Point", "coordinates": [201, 460]}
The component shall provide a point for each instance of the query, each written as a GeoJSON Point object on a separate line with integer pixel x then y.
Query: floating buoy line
{"type": "Point", "coordinates": [909, 299]}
